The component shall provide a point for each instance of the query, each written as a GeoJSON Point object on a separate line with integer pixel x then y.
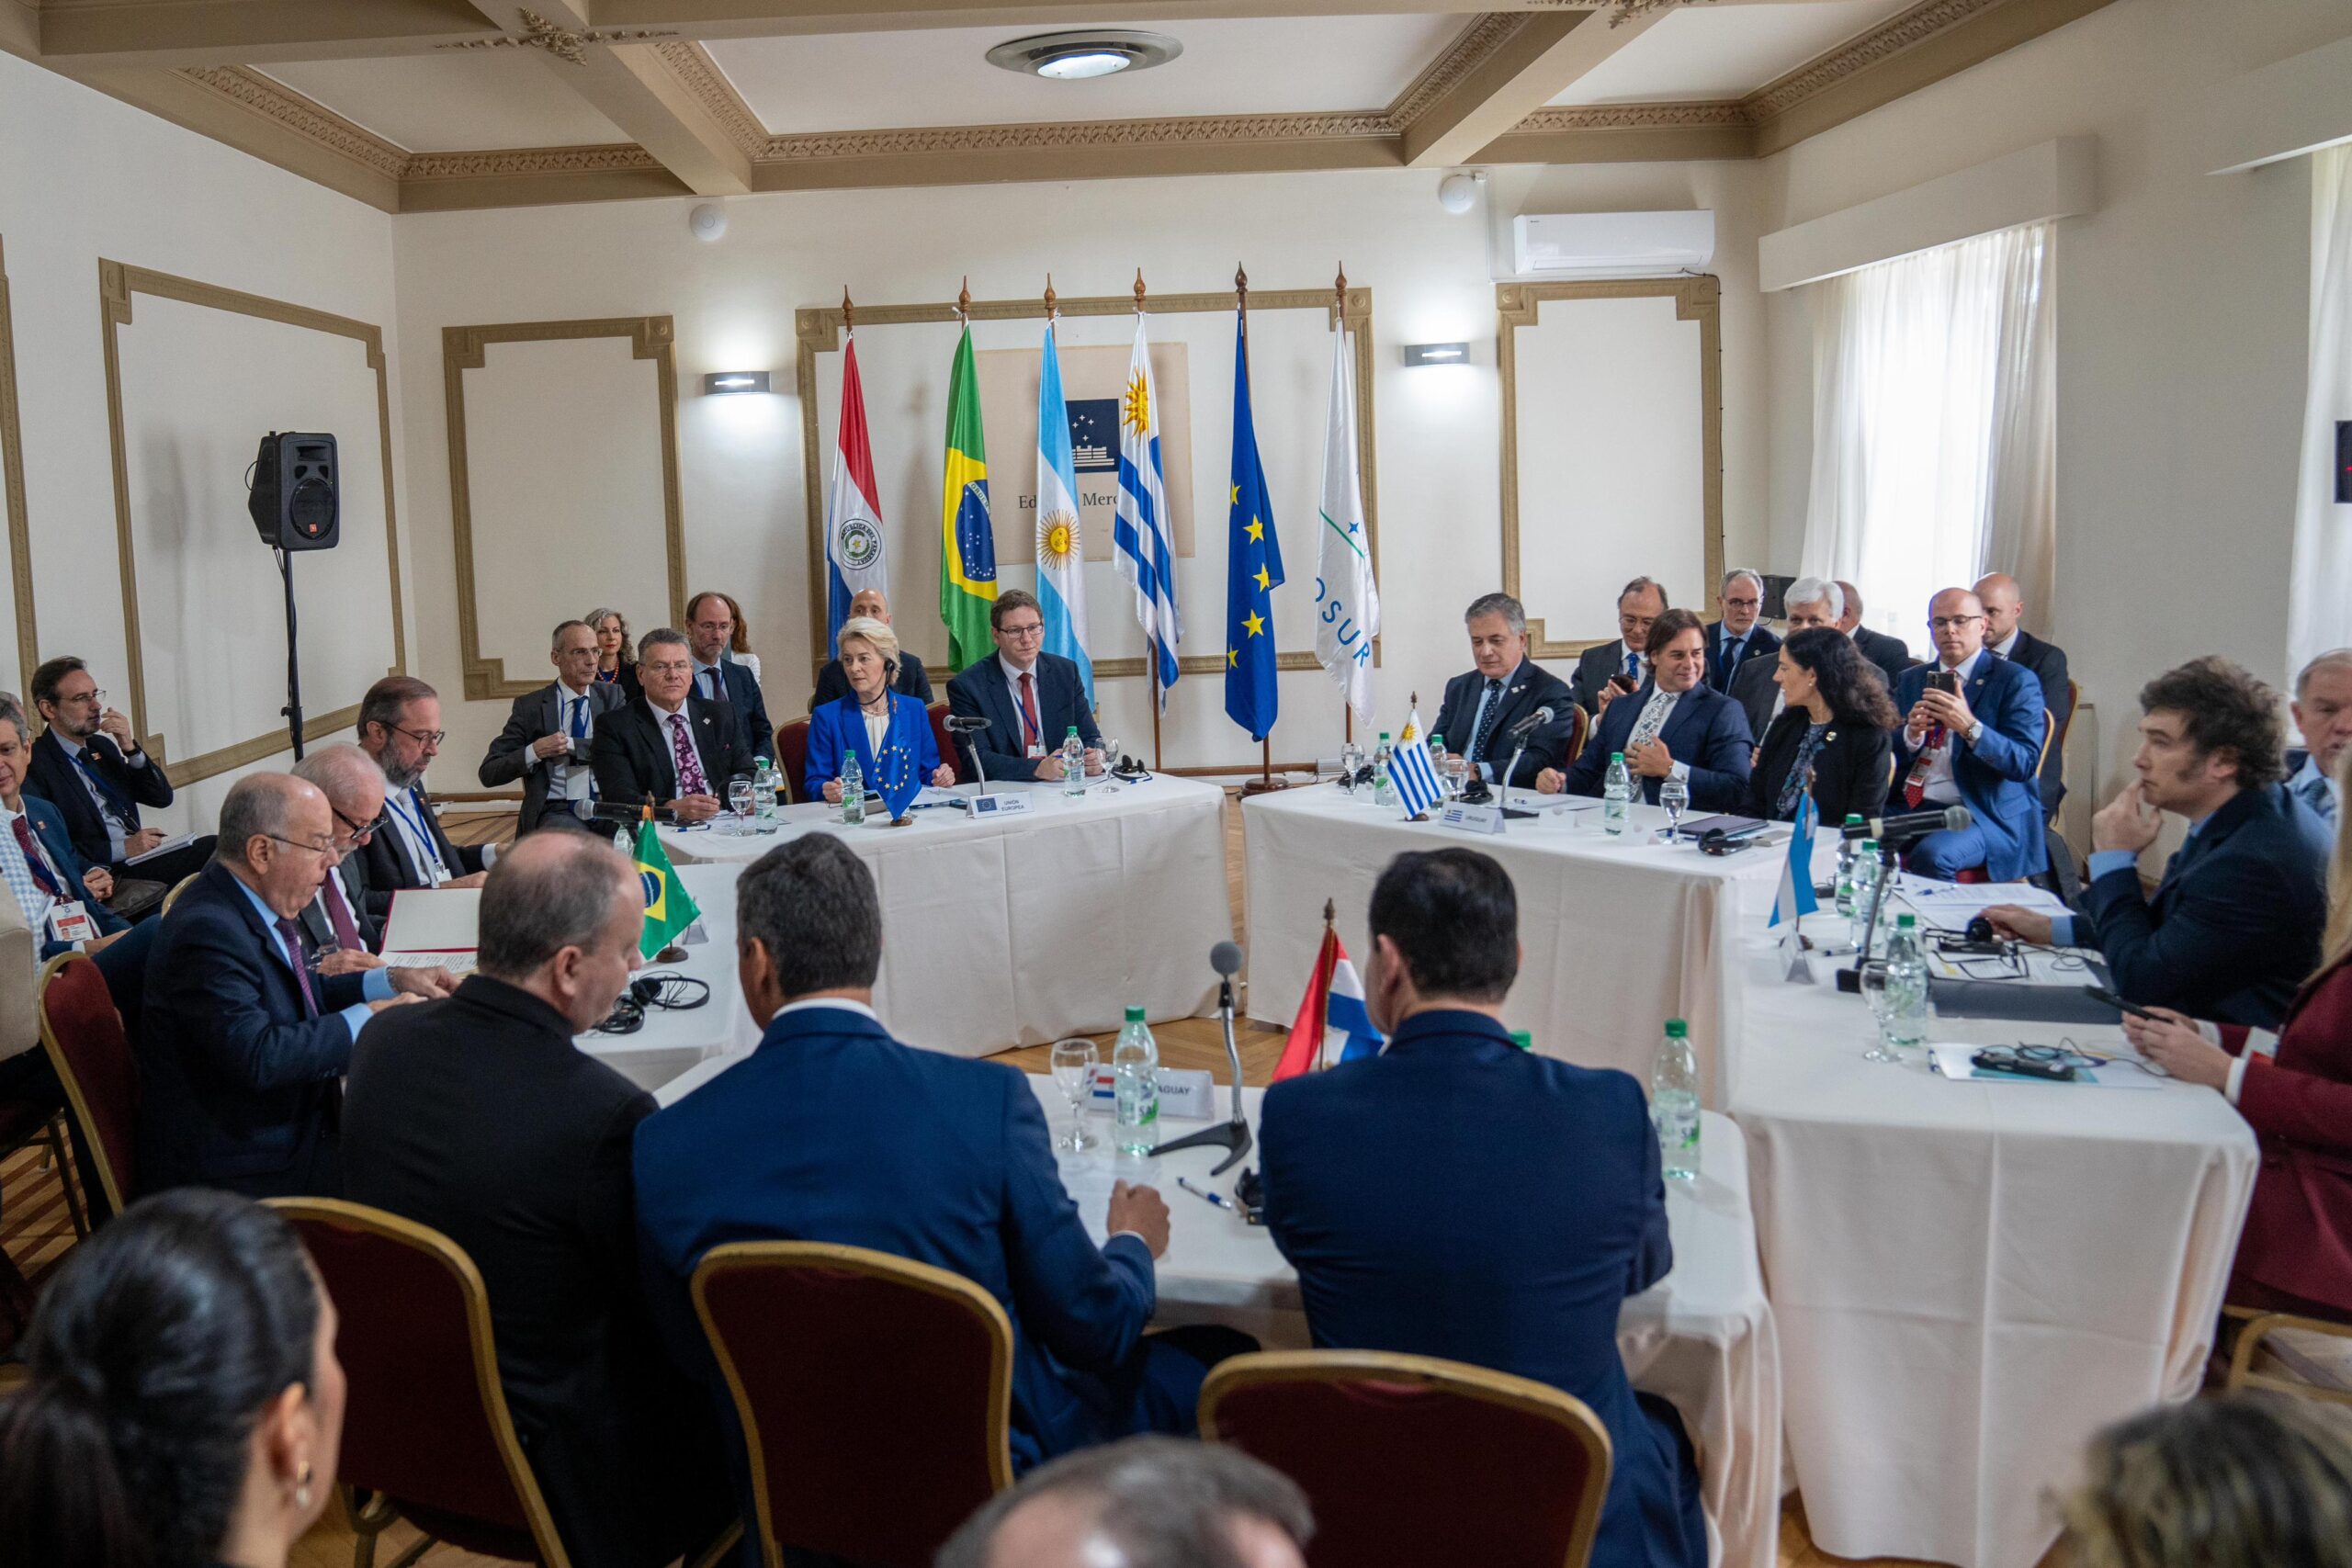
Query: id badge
{"type": "Point", "coordinates": [1037, 751]}
{"type": "Point", "coordinates": [69, 922]}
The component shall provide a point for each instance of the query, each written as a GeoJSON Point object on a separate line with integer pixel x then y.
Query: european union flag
{"type": "Point", "coordinates": [1253, 565]}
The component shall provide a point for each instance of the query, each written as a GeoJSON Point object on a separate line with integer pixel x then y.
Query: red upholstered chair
{"type": "Point", "coordinates": [949, 752]}
{"type": "Point", "coordinates": [426, 1436]}
{"type": "Point", "coordinates": [1413, 1460]}
{"type": "Point", "coordinates": [792, 756]}
{"type": "Point", "coordinates": [83, 1034]}
{"type": "Point", "coordinates": [875, 1395]}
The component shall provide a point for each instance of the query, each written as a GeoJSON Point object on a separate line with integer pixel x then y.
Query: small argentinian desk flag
{"type": "Point", "coordinates": [1794, 899]}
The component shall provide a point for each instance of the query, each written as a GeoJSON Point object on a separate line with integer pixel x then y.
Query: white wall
{"type": "Point", "coordinates": [1439, 434]}
{"type": "Point", "coordinates": [86, 177]}
{"type": "Point", "coordinates": [2182, 312]}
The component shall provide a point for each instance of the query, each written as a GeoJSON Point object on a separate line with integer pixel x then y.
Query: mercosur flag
{"type": "Point", "coordinates": [1347, 600]}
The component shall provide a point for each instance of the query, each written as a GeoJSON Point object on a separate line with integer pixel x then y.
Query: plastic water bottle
{"type": "Point", "coordinates": [1866, 874]}
{"type": "Point", "coordinates": [1906, 985]}
{"type": "Point", "coordinates": [1846, 868]}
{"type": "Point", "coordinates": [1437, 760]}
{"type": "Point", "coordinates": [1616, 794]}
{"type": "Point", "coordinates": [1674, 1103]}
{"type": "Point", "coordinates": [1073, 764]}
{"type": "Point", "coordinates": [853, 792]}
{"type": "Point", "coordinates": [764, 790]}
{"type": "Point", "coordinates": [1134, 1079]}
{"type": "Point", "coordinates": [1382, 792]}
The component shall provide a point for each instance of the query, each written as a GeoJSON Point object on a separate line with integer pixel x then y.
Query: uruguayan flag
{"type": "Point", "coordinates": [1410, 770]}
{"type": "Point", "coordinates": [1794, 896]}
{"type": "Point", "coordinates": [1345, 1018]}
{"type": "Point", "coordinates": [1139, 537]}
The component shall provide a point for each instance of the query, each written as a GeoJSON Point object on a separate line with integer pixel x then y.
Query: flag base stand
{"type": "Point", "coordinates": [672, 953]}
{"type": "Point", "coordinates": [1799, 970]}
{"type": "Point", "coordinates": [1265, 783]}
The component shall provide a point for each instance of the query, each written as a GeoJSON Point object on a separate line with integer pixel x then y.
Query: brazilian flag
{"type": "Point", "coordinates": [967, 542]}
{"type": "Point", "coordinates": [669, 908]}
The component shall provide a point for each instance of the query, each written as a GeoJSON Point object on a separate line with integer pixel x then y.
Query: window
{"type": "Point", "coordinates": [2319, 615]}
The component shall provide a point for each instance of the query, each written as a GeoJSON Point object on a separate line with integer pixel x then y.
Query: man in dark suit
{"type": "Point", "coordinates": [547, 742]}
{"type": "Point", "coordinates": [1736, 639]}
{"type": "Point", "coordinates": [711, 627]}
{"type": "Point", "coordinates": [1675, 726]}
{"type": "Point", "coordinates": [400, 727]}
{"type": "Point", "coordinates": [1891, 654]}
{"type": "Point", "coordinates": [1971, 736]}
{"type": "Point", "coordinates": [1808, 602]}
{"type": "Point", "coordinates": [911, 680]}
{"type": "Point", "coordinates": [669, 746]}
{"type": "Point", "coordinates": [1031, 699]}
{"type": "Point", "coordinates": [2323, 712]}
{"type": "Point", "coordinates": [242, 1049]}
{"type": "Point", "coordinates": [38, 864]}
{"type": "Point", "coordinates": [1482, 706]}
{"type": "Point", "coordinates": [834, 1131]}
{"type": "Point", "coordinates": [2234, 929]}
{"type": "Point", "coordinates": [1613, 668]}
{"type": "Point", "coordinates": [2004, 609]}
{"type": "Point", "coordinates": [337, 922]}
{"type": "Point", "coordinates": [89, 765]}
{"type": "Point", "coordinates": [1532, 1206]}
{"type": "Point", "coordinates": [478, 1117]}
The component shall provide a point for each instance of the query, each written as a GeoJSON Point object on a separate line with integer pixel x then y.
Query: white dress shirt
{"type": "Point", "coordinates": [1938, 783]}
{"type": "Point", "coordinates": [567, 780]}
{"type": "Point", "coordinates": [117, 834]}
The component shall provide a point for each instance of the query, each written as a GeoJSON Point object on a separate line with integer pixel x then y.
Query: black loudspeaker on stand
{"type": "Point", "coordinates": [1226, 959]}
{"type": "Point", "coordinates": [296, 506]}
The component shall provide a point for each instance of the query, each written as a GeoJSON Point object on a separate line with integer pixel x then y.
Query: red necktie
{"type": "Point", "coordinates": [33, 860]}
{"type": "Point", "coordinates": [1029, 711]}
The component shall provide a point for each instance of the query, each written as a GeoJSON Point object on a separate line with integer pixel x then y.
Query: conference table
{"type": "Point", "coordinates": [1619, 934]}
{"type": "Point", "coordinates": [1024, 928]}
{"type": "Point", "coordinates": [673, 1041]}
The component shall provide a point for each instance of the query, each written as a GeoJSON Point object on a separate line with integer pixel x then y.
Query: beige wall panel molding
{"type": "Point", "coordinates": [651, 338]}
{"type": "Point", "coordinates": [119, 284]}
{"type": "Point", "coordinates": [12, 492]}
{"type": "Point", "coordinates": [1695, 300]}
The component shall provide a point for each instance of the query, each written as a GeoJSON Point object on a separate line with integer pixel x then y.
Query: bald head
{"type": "Point", "coordinates": [1956, 621]}
{"type": "Point", "coordinates": [278, 838]}
{"type": "Point", "coordinates": [870, 602]}
{"type": "Point", "coordinates": [1852, 615]}
{"type": "Point", "coordinates": [2004, 605]}
{"type": "Point", "coordinates": [562, 913]}
{"type": "Point", "coordinates": [1142, 1503]}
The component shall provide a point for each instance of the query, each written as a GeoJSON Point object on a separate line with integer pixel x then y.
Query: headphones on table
{"type": "Point", "coordinates": [662, 990]}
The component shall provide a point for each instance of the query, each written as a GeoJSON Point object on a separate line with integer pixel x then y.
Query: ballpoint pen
{"type": "Point", "coordinates": [1219, 1198]}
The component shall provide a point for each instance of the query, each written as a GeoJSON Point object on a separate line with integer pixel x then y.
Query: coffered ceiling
{"type": "Point", "coordinates": [425, 105]}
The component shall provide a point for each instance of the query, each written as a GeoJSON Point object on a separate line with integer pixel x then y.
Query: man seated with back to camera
{"type": "Point", "coordinates": [1505, 687]}
{"type": "Point", "coordinates": [2235, 926]}
{"type": "Point", "coordinates": [1457, 1196]}
{"type": "Point", "coordinates": [1677, 725]}
{"type": "Point", "coordinates": [831, 1131]}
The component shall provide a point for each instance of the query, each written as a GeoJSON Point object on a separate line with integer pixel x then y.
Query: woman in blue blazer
{"type": "Point", "coordinates": [889, 732]}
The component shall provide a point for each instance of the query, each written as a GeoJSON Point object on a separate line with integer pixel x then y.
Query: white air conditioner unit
{"type": "Point", "coordinates": [1612, 244]}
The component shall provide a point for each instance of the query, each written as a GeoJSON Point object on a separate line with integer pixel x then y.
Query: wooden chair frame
{"type": "Point", "coordinates": [737, 1257]}
{"type": "Point", "coordinates": [1478, 1383]}
{"type": "Point", "coordinates": [74, 1102]}
{"type": "Point", "coordinates": [2260, 1326]}
{"type": "Point", "coordinates": [174, 896]}
{"type": "Point", "coordinates": [371, 1513]}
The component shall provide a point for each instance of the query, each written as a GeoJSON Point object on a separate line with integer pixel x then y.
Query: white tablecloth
{"type": "Point", "coordinates": [1016, 930]}
{"type": "Point", "coordinates": [1701, 1337]}
{"type": "Point", "coordinates": [673, 1041]}
{"type": "Point", "coordinates": [1970, 1279]}
{"type": "Point", "coordinates": [1620, 934]}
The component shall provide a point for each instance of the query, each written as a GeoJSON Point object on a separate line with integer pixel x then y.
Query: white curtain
{"type": "Point", "coordinates": [1934, 393]}
{"type": "Point", "coordinates": [2319, 615]}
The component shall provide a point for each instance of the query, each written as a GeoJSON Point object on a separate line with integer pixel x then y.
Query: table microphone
{"type": "Point", "coordinates": [1226, 959]}
{"type": "Point", "coordinates": [1910, 825]}
{"type": "Point", "coordinates": [964, 723]}
{"type": "Point", "coordinates": [968, 724]}
{"type": "Point", "coordinates": [1539, 718]}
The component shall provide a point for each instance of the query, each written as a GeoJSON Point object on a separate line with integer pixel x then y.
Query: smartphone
{"type": "Point", "coordinates": [1945, 681]}
{"type": "Point", "coordinates": [1619, 683]}
{"type": "Point", "coordinates": [2101, 994]}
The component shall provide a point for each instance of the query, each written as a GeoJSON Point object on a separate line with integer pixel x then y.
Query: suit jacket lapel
{"type": "Point", "coordinates": [998, 701]}
{"type": "Point", "coordinates": [665, 770]}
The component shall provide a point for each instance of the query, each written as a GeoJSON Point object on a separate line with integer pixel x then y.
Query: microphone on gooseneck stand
{"type": "Point", "coordinates": [1910, 825]}
{"type": "Point", "coordinates": [1520, 732]}
{"type": "Point", "coordinates": [967, 726]}
{"type": "Point", "coordinates": [1226, 959]}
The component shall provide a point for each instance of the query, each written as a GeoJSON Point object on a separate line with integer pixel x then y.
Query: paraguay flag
{"type": "Point", "coordinates": [967, 539]}
{"type": "Point", "coordinates": [853, 523]}
{"type": "Point", "coordinates": [1333, 1011]}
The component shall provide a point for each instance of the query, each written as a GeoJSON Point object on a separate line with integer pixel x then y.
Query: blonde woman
{"type": "Point", "coordinates": [615, 652]}
{"type": "Point", "coordinates": [2294, 1088]}
{"type": "Point", "coordinates": [886, 731]}
{"type": "Point", "coordinates": [2251, 1482]}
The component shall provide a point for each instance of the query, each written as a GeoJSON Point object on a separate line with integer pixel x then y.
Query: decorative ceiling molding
{"type": "Point", "coordinates": [1632, 117]}
{"type": "Point", "coordinates": [1193, 130]}
{"type": "Point", "coordinates": [567, 44]}
{"type": "Point", "coordinates": [693, 67]}
{"type": "Point", "coordinates": [275, 101]}
{"type": "Point", "coordinates": [529, 160]}
{"type": "Point", "coordinates": [1893, 37]}
{"type": "Point", "coordinates": [1470, 48]}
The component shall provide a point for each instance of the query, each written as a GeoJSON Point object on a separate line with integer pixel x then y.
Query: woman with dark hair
{"type": "Point", "coordinates": [1835, 736]}
{"type": "Point", "coordinates": [185, 1407]}
{"type": "Point", "coordinates": [2252, 1480]}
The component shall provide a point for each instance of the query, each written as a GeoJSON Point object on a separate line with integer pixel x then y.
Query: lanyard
{"type": "Point", "coordinates": [412, 817]}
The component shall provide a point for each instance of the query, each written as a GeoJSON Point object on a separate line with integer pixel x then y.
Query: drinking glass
{"type": "Point", "coordinates": [1882, 1001]}
{"type": "Point", "coordinates": [1110, 752]}
{"type": "Point", "coordinates": [739, 801]}
{"type": "Point", "coordinates": [1074, 1063]}
{"type": "Point", "coordinates": [1676, 798]}
{"type": "Point", "coordinates": [1457, 774]}
{"type": "Point", "coordinates": [1351, 764]}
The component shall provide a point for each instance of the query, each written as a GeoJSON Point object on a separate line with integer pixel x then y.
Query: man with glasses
{"type": "Point", "coordinates": [1621, 667]}
{"type": "Point", "coordinates": [1971, 736]}
{"type": "Point", "coordinates": [243, 1045]}
{"type": "Point", "coordinates": [669, 746]}
{"type": "Point", "coordinates": [710, 628]}
{"type": "Point", "coordinates": [549, 736]}
{"type": "Point", "coordinates": [1735, 639]}
{"type": "Point", "coordinates": [1031, 699]}
{"type": "Point", "coordinates": [89, 765]}
{"type": "Point", "coordinates": [400, 727]}
{"type": "Point", "coordinates": [337, 921]}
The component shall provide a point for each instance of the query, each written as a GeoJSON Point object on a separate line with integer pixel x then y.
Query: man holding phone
{"type": "Point", "coordinates": [1619, 669]}
{"type": "Point", "coordinates": [1971, 736]}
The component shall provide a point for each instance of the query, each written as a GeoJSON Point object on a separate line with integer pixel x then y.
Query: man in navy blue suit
{"type": "Point", "coordinates": [1740, 636]}
{"type": "Point", "coordinates": [1971, 736]}
{"type": "Point", "coordinates": [831, 1131]}
{"type": "Point", "coordinates": [241, 1048]}
{"type": "Point", "coordinates": [1458, 1197]}
{"type": "Point", "coordinates": [2234, 929]}
{"type": "Point", "coordinates": [711, 627]}
{"type": "Point", "coordinates": [1502, 690]}
{"type": "Point", "coordinates": [1677, 725]}
{"type": "Point", "coordinates": [1031, 699]}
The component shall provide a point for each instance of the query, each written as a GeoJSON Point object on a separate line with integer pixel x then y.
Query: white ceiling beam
{"type": "Point", "coordinates": [1526, 70]}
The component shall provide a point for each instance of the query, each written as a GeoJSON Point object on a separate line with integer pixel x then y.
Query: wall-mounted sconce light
{"type": "Point", "coordinates": [720, 382]}
{"type": "Point", "coordinates": [1437, 354]}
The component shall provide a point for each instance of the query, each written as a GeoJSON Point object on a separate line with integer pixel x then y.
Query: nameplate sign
{"type": "Point", "coordinates": [996, 804]}
{"type": "Point", "coordinates": [1472, 818]}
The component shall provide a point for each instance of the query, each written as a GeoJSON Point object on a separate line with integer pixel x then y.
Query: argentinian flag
{"type": "Point", "coordinates": [1061, 558]}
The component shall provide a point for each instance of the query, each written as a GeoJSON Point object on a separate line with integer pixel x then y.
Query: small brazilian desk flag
{"type": "Point", "coordinates": [669, 908]}
{"type": "Point", "coordinates": [1253, 565]}
{"type": "Point", "coordinates": [968, 540]}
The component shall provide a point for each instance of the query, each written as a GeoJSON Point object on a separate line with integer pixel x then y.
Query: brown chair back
{"type": "Point", "coordinates": [426, 1424]}
{"type": "Point", "coordinates": [1411, 1458]}
{"type": "Point", "coordinates": [83, 1034]}
{"type": "Point", "coordinates": [178, 888]}
{"type": "Point", "coordinates": [875, 1395]}
{"type": "Point", "coordinates": [949, 752]}
{"type": "Point", "coordinates": [792, 756]}
{"type": "Point", "coordinates": [1579, 731]}
{"type": "Point", "coordinates": [2049, 733]}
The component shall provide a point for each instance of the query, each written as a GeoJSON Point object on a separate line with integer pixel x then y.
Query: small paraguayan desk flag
{"type": "Point", "coordinates": [1794, 896]}
{"type": "Point", "coordinates": [853, 521]}
{"type": "Point", "coordinates": [1347, 600]}
{"type": "Point", "coordinates": [1333, 1006]}
{"type": "Point", "coordinates": [1140, 543]}
{"type": "Point", "coordinates": [1061, 551]}
{"type": "Point", "coordinates": [1411, 770]}
{"type": "Point", "coordinates": [1253, 561]}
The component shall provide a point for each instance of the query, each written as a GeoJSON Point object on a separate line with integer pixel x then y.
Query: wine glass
{"type": "Point", "coordinates": [1882, 1001]}
{"type": "Point", "coordinates": [1351, 764]}
{"type": "Point", "coordinates": [1110, 752]}
{"type": "Point", "coordinates": [739, 801]}
{"type": "Point", "coordinates": [1074, 1063]}
{"type": "Point", "coordinates": [1674, 796]}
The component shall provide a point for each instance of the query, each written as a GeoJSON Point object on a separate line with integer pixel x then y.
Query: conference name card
{"type": "Point", "coordinates": [1472, 818]}
{"type": "Point", "coordinates": [997, 805]}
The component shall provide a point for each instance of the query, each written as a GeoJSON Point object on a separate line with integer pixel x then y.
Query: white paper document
{"type": "Point", "coordinates": [455, 963]}
{"type": "Point", "coordinates": [433, 919]}
{"type": "Point", "coordinates": [1954, 904]}
{"type": "Point", "coordinates": [178, 841]}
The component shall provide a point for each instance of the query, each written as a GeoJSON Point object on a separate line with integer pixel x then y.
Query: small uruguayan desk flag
{"type": "Point", "coordinates": [1410, 770]}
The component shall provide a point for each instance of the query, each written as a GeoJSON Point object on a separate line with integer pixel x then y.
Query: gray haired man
{"type": "Point", "coordinates": [1808, 601]}
{"type": "Point", "coordinates": [1484, 708]}
{"type": "Point", "coordinates": [1740, 636]}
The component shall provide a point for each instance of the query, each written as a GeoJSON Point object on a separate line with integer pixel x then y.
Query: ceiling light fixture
{"type": "Point", "coordinates": [1092, 51]}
